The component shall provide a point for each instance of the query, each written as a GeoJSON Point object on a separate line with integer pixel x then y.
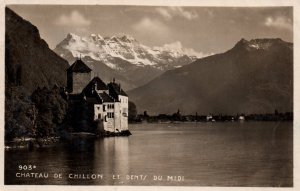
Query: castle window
{"type": "Point", "coordinates": [110, 115]}
{"type": "Point", "coordinates": [104, 108]}
{"type": "Point", "coordinates": [110, 106]}
{"type": "Point", "coordinates": [99, 116]}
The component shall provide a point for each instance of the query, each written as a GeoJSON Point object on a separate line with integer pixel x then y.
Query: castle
{"type": "Point", "coordinates": [96, 105]}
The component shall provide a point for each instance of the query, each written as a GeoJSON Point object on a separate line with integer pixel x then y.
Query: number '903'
{"type": "Point", "coordinates": [27, 167]}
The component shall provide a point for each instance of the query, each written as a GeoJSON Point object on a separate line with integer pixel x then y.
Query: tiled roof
{"type": "Point", "coordinates": [93, 100]}
{"type": "Point", "coordinates": [106, 98]}
{"type": "Point", "coordinates": [115, 90]}
{"type": "Point", "coordinates": [96, 98]}
{"type": "Point", "coordinates": [93, 97]}
{"type": "Point", "coordinates": [79, 66]}
{"type": "Point", "coordinates": [97, 83]}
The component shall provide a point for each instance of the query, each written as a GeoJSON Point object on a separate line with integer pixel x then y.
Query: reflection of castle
{"type": "Point", "coordinates": [106, 104]}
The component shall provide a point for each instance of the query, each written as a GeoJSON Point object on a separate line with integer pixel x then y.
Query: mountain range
{"type": "Point", "coordinates": [122, 57]}
{"type": "Point", "coordinates": [254, 76]}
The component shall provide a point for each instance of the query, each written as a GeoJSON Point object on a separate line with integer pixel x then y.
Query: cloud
{"type": "Point", "coordinates": [164, 12]}
{"type": "Point", "coordinates": [151, 26]}
{"type": "Point", "coordinates": [177, 46]}
{"type": "Point", "coordinates": [169, 13]}
{"type": "Point", "coordinates": [279, 22]}
{"type": "Point", "coordinates": [75, 19]}
{"type": "Point", "coordinates": [210, 12]}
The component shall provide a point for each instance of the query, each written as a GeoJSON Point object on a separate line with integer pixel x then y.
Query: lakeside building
{"type": "Point", "coordinates": [94, 102]}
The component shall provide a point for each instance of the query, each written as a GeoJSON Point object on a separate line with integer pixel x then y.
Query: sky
{"type": "Point", "coordinates": [202, 30]}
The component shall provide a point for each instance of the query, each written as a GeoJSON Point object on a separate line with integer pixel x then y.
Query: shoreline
{"type": "Point", "coordinates": [189, 122]}
{"type": "Point", "coordinates": [30, 143]}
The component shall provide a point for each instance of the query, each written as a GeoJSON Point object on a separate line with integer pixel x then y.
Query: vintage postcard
{"type": "Point", "coordinates": [154, 95]}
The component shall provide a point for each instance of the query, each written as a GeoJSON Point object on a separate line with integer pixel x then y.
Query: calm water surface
{"type": "Point", "coordinates": [205, 154]}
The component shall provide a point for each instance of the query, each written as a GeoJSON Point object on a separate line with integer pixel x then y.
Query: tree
{"type": "Point", "coordinates": [132, 111]}
{"type": "Point", "coordinates": [177, 116]}
{"type": "Point", "coordinates": [20, 114]}
{"type": "Point", "coordinates": [51, 108]}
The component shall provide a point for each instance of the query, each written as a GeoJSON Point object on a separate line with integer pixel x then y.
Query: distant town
{"type": "Point", "coordinates": [178, 117]}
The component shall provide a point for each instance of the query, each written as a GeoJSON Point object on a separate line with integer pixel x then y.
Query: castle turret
{"type": "Point", "coordinates": [78, 76]}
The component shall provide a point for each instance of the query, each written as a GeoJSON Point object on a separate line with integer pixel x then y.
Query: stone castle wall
{"type": "Point", "coordinates": [80, 80]}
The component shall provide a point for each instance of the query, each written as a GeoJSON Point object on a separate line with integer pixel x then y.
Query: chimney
{"type": "Point", "coordinates": [114, 80]}
{"type": "Point", "coordinates": [120, 87]}
{"type": "Point", "coordinates": [95, 86]}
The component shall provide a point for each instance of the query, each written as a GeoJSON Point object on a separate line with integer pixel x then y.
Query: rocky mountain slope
{"type": "Point", "coordinates": [255, 76]}
{"type": "Point", "coordinates": [28, 60]}
{"type": "Point", "coordinates": [29, 64]}
{"type": "Point", "coordinates": [122, 57]}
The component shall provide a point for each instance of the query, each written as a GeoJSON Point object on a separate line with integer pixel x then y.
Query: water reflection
{"type": "Point", "coordinates": [111, 157]}
{"type": "Point", "coordinates": [79, 160]}
{"type": "Point", "coordinates": [206, 154]}
{"type": "Point", "coordinates": [87, 158]}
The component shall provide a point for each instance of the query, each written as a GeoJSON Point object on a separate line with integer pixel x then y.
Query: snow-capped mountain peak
{"type": "Point", "coordinates": [258, 44]}
{"type": "Point", "coordinates": [124, 38]}
{"type": "Point", "coordinates": [72, 36]}
{"type": "Point", "coordinates": [97, 37]}
{"type": "Point", "coordinates": [122, 47]}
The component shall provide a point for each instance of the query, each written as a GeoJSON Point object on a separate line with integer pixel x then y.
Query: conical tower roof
{"type": "Point", "coordinates": [79, 66]}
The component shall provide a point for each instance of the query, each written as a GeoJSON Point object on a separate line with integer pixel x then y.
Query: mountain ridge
{"type": "Point", "coordinates": [247, 78]}
{"type": "Point", "coordinates": [26, 52]}
{"type": "Point", "coordinates": [123, 55]}
{"type": "Point", "coordinates": [122, 46]}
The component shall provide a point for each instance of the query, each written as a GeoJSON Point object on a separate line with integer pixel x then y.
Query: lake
{"type": "Point", "coordinates": [186, 154]}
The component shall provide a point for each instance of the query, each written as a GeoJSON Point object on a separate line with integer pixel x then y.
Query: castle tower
{"type": "Point", "coordinates": [120, 106]}
{"type": "Point", "coordinates": [78, 76]}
